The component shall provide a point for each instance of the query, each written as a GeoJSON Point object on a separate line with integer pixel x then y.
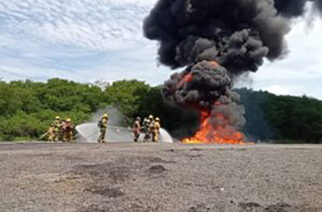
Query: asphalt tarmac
{"type": "Point", "coordinates": [160, 177]}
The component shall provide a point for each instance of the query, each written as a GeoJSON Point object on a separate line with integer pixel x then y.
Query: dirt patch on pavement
{"type": "Point", "coordinates": [194, 156]}
{"type": "Point", "coordinates": [199, 208]}
{"type": "Point", "coordinates": [106, 191]}
{"type": "Point", "coordinates": [158, 169]}
{"type": "Point", "coordinates": [196, 150]}
{"type": "Point", "coordinates": [279, 207]}
{"type": "Point", "coordinates": [108, 171]}
{"type": "Point", "coordinates": [68, 184]}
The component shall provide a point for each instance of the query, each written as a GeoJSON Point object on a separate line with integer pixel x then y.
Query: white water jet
{"type": "Point", "coordinates": [90, 132]}
{"type": "Point", "coordinates": [165, 137]}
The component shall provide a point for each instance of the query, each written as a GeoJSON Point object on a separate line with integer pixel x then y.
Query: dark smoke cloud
{"type": "Point", "coordinates": [319, 5]}
{"type": "Point", "coordinates": [295, 8]}
{"type": "Point", "coordinates": [237, 34]}
{"type": "Point", "coordinates": [290, 8]}
{"type": "Point", "coordinates": [206, 86]}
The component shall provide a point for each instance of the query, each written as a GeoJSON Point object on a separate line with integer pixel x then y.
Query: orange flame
{"type": "Point", "coordinates": [186, 78]}
{"type": "Point", "coordinates": [215, 134]}
{"type": "Point", "coordinates": [214, 63]}
{"type": "Point", "coordinates": [208, 132]}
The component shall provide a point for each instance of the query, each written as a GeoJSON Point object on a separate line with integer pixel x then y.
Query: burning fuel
{"type": "Point", "coordinates": [206, 87]}
{"type": "Point", "coordinates": [221, 132]}
{"type": "Point", "coordinates": [217, 41]}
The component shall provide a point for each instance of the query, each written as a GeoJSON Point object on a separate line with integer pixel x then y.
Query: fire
{"type": "Point", "coordinates": [210, 133]}
{"type": "Point", "coordinates": [214, 128]}
{"type": "Point", "coordinates": [185, 79]}
{"type": "Point", "coordinates": [214, 63]}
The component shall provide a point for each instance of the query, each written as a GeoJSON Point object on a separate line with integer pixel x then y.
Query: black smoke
{"type": "Point", "coordinates": [207, 86]}
{"type": "Point", "coordinates": [295, 8]}
{"type": "Point", "coordinates": [237, 34]}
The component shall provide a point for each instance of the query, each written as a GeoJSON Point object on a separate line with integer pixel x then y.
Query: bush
{"type": "Point", "coordinates": [27, 108]}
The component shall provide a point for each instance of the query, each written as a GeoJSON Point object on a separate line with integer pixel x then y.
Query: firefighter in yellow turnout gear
{"type": "Point", "coordinates": [148, 125]}
{"type": "Point", "coordinates": [137, 129]}
{"type": "Point", "coordinates": [156, 130]}
{"type": "Point", "coordinates": [102, 124]}
{"type": "Point", "coordinates": [57, 125]}
{"type": "Point", "coordinates": [68, 130]}
{"type": "Point", "coordinates": [51, 133]}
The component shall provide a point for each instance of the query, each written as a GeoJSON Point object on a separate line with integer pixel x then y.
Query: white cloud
{"type": "Point", "coordinates": [300, 73]}
{"type": "Point", "coordinates": [92, 24]}
{"type": "Point", "coordinates": [88, 40]}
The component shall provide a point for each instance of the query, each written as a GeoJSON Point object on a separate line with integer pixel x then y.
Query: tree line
{"type": "Point", "coordinates": [27, 108]}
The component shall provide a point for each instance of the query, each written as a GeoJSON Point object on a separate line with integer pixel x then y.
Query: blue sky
{"type": "Point", "coordinates": [89, 40]}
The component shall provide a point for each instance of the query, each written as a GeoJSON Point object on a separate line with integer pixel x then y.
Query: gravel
{"type": "Point", "coordinates": [160, 177]}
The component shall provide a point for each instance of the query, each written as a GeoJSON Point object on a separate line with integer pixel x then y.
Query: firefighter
{"type": "Point", "coordinates": [68, 130]}
{"type": "Point", "coordinates": [156, 130]}
{"type": "Point", "coordinates": [62, 129]}
{"type": "Point", "coordinates": [137, 129]}
{"type": "Point", "coordinates": [151, 127]}
{"type": "Point", "coordinates": [102, 124]}
{"type": "Point", "coordinates": [146, 127]}
{"type": "Point", "coordinates": [51, 133]}
{"type": "Point", "coordinates": [57, 124]}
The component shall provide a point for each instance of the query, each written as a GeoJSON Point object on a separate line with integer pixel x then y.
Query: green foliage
{"type": "Point", "coordinates": [282, 118]}
{"type": "Point", "coordinates": [27, 108]}
{"type": "Point", "coordinates": [127, 96]}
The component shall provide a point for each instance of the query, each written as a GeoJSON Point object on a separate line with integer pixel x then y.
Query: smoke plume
{"type": "Point", "coordinates": [295, 8]}
{"type": "Point", "coordinates": [217, 41]}
{"type": "Point", "coordinates": [206, 85]}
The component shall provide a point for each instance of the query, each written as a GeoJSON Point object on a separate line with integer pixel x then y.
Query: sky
{"type": "Point", "coordinates": [90, 40]}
